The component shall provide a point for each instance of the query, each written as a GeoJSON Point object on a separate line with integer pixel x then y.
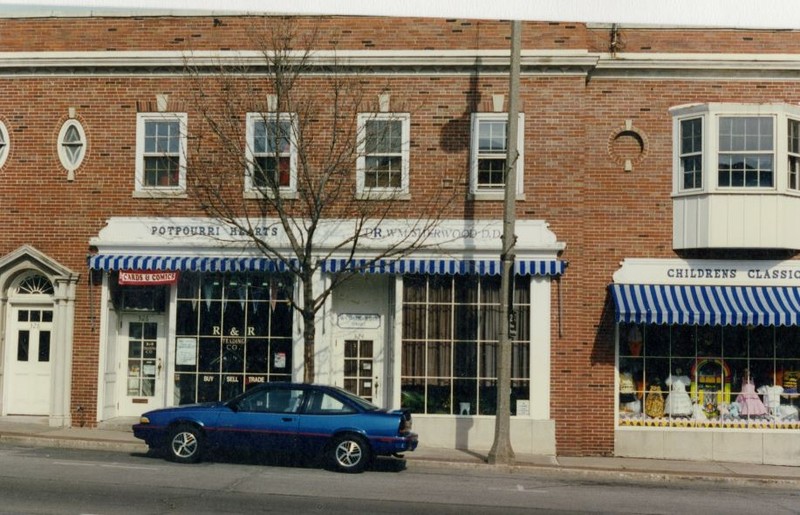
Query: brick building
{"type": "Point", "coordinates": [660, 163]}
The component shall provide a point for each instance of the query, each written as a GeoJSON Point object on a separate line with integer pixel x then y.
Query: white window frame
{"type": "Point", "coordinates": [710, 114]}
{"type": "Point", "coordinates": [405, 154]}
{"type": "Point", "coordinates": [142, 190]}
{"type": "Point", "coordinates": [793, 171]}
{"type": "Point", "coordinates": [5, 144]}
{"type": "Point", "coordinates": [477, 192]}
{"type": "Point", "coordinates": [682, 155]}
{"type": "Point", "coordinates": [250, 188]}
{"type": "Point", "coordinates": [63, 156]}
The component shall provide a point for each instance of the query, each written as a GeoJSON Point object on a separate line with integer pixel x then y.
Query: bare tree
{"type": "Point", "coordinates": [298, 163]}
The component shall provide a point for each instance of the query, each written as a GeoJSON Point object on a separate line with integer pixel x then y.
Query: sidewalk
{"type": "Point", "coordinates": [116, 435]}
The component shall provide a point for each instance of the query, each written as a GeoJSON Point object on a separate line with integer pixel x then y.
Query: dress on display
{"type": "Point", "coordinates": [772, 396]}
{"type": "Point", "coordinates": [678, 402]}
{"type": "Point", "coordinates": [749, 402]}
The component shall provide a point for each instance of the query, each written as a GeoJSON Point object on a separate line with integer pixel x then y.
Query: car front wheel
{"type": "Point", "coordinates": [186, 444]}
{"type": "Point", "coordinates": [350, 453]}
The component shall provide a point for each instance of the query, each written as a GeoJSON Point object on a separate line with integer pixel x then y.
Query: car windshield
{"type": "Point", "coordinates": [363, 404]}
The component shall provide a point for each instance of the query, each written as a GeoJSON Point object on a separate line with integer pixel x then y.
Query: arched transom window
{"type": "Point", "coordinates": [35, 284]}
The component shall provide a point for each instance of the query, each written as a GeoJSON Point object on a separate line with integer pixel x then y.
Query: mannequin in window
{"type": "Point", "coordinates": [628, 401]}
{"type": "Point", "coordinates": [750, 404]}
{"type": "Point", "coordinates": [772, 398]}
{"type": "Point", "coordinates": [678, 403]}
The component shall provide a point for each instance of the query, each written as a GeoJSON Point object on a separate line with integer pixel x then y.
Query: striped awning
{"type": "Point", "coordinates": [544, 267]}
{"type": "Point", "coordinates": [706, 305]}
{"type": "Point", "coordinates": [445, 266]}
{"type": "Point", "coordinates": [183, 263]}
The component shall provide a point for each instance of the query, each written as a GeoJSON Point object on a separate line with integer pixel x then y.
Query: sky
{"type": "Point", "coordinates": [778, 14]}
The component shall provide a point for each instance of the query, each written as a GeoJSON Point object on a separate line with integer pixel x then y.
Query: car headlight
{"type": "Point", "coordinates": [144, 420]}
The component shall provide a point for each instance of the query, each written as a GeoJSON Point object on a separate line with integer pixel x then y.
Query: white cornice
{"type": "Point", "coordinates": [440, 61]}
{"type": "Point", "coordinates": [533, 62]}
{"type": "Point", "coordinates": [699, 65]}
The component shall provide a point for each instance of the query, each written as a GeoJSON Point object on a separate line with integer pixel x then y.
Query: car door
{"type": "Point", "coordinates": [265, 419]}
{"type": "Point", "coordinates": [324, 414]}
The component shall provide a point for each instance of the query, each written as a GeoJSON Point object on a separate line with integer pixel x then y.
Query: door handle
{"type": "Point", "coordinates": [158, 366]}
{"type": "Point", "coordinates": [287, 419]}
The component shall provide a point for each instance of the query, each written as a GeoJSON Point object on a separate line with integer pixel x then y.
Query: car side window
{"type": "Point", "coordinates": [322, 403]}
{"type": "Point", "coordinates": [272, 401]}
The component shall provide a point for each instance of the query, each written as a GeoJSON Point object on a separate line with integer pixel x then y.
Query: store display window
{"type": "Point", "coordinates": [232, 331]}
{"type": "Point", "coordinates": [708, 376]}
{"type": "Point", "coordinates": [449, 360]}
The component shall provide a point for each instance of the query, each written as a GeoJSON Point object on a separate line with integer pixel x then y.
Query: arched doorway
{"type": "Point", "coordinates": [28, 356]}
{"type": "Point", "coordinates": [37, 309]}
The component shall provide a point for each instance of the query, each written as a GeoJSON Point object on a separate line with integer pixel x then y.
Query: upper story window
{"type": "Point", "coordinates": [746, 147]}
{"type": "Point", "coordinates": [71, 145]}
{"type": "Point", "coordinates": [161, 153]}
{"type": "Point", "coordinates": [736, 176]}
{"type": "Point", "coordinates": [793, 153]}
{"type": "Point", "coordinates": [746, 151]}
{"type": "Point", "coordinates": [489, 152]}
{"type": "Point", "coordinates": [691, 153]}
{"type": "Point", "coordinates": [383, 153]}
{"type": "Point", "coordinates": [4, 144]}
{"type": "Point", "coordinates": [271, 154]}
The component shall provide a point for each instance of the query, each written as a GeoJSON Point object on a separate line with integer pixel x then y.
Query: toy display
{"type": "Point", "coordinates": [711, 384]}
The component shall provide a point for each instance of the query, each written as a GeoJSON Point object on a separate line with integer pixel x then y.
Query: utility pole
{"type": "Point", "coordinates": [501, 452]}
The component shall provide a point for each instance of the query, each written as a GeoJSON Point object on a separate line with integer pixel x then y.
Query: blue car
{"type": "Point", "coordinates": [277, 417]}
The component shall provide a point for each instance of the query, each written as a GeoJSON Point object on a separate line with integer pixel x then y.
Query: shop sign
{"type": "Point", "coordinates": [708, 272]}
{"type": "Point", "coordinates": [358, 321]}
{"type": "Point", "coordinates": [432, 235]}
{"type": "Point", "coordinates": [186, 351]}
{"type": "Point", "coordinates": [146, 278]}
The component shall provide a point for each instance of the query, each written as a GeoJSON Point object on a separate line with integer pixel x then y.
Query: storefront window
{"type": "Point", "coordinates": [233, 331]}
{"type": "Point", "coordinates": [709, 376]}
{"type": "Point", "coordinates": [450, 330]}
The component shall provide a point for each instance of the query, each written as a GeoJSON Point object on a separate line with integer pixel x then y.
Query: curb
{"type": "Point", "coordinates": [624, 474]}
{"type": "Point", "coordinates": [73, 443]}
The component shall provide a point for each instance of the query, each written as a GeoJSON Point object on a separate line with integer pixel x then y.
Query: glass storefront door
{"type": "Point", "coordinates": [142, 346]}
{"type": "Point", "coordinates": [360, 374]}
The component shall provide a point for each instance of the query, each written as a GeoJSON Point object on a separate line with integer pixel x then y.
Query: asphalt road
{"type": "Point", "coordinates": [65, 481]}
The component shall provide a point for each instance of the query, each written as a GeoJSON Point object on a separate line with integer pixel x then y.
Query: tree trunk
{"type": "Point", "coordinates": [309, 328]}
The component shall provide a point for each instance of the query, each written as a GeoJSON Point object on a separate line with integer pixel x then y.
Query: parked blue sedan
{"type": "Point", "coordinates": [320, 420]}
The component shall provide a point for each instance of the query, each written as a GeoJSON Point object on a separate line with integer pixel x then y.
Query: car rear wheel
{"type": "Point", "coordinates": [186, 444]}
{"type": "Point", "coordinates": [350, 453]}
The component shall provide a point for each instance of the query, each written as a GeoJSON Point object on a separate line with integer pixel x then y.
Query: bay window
{"type": "Point", "coordinates": [735, 176]}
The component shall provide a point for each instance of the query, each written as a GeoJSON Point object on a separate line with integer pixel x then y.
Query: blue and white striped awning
{"type": "Point", "coordinates": [380, 266]}
{"type": "Point", "coordinates": [706, 305]}
{"type": "Point", "coordinates": [193, 263]}
{"type": "Point", "coordinates": [444, 266]}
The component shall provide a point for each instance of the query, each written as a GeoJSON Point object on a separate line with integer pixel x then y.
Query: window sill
{"type": "Point", "coordinates": [257, 195]}
{"type": "Point", "coordinates": [495, 196]}
{"type": "Point", "coordinates": [155, 193]}
{"type": "Point", "coordinates": [382, 195]}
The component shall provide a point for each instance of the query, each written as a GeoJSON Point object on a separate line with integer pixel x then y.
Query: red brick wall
{"type": "Point", "coordinates": [603, 213]}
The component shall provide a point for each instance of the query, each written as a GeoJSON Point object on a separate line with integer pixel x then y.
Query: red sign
{"type": "Point", "coordinates": [146, 277]}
